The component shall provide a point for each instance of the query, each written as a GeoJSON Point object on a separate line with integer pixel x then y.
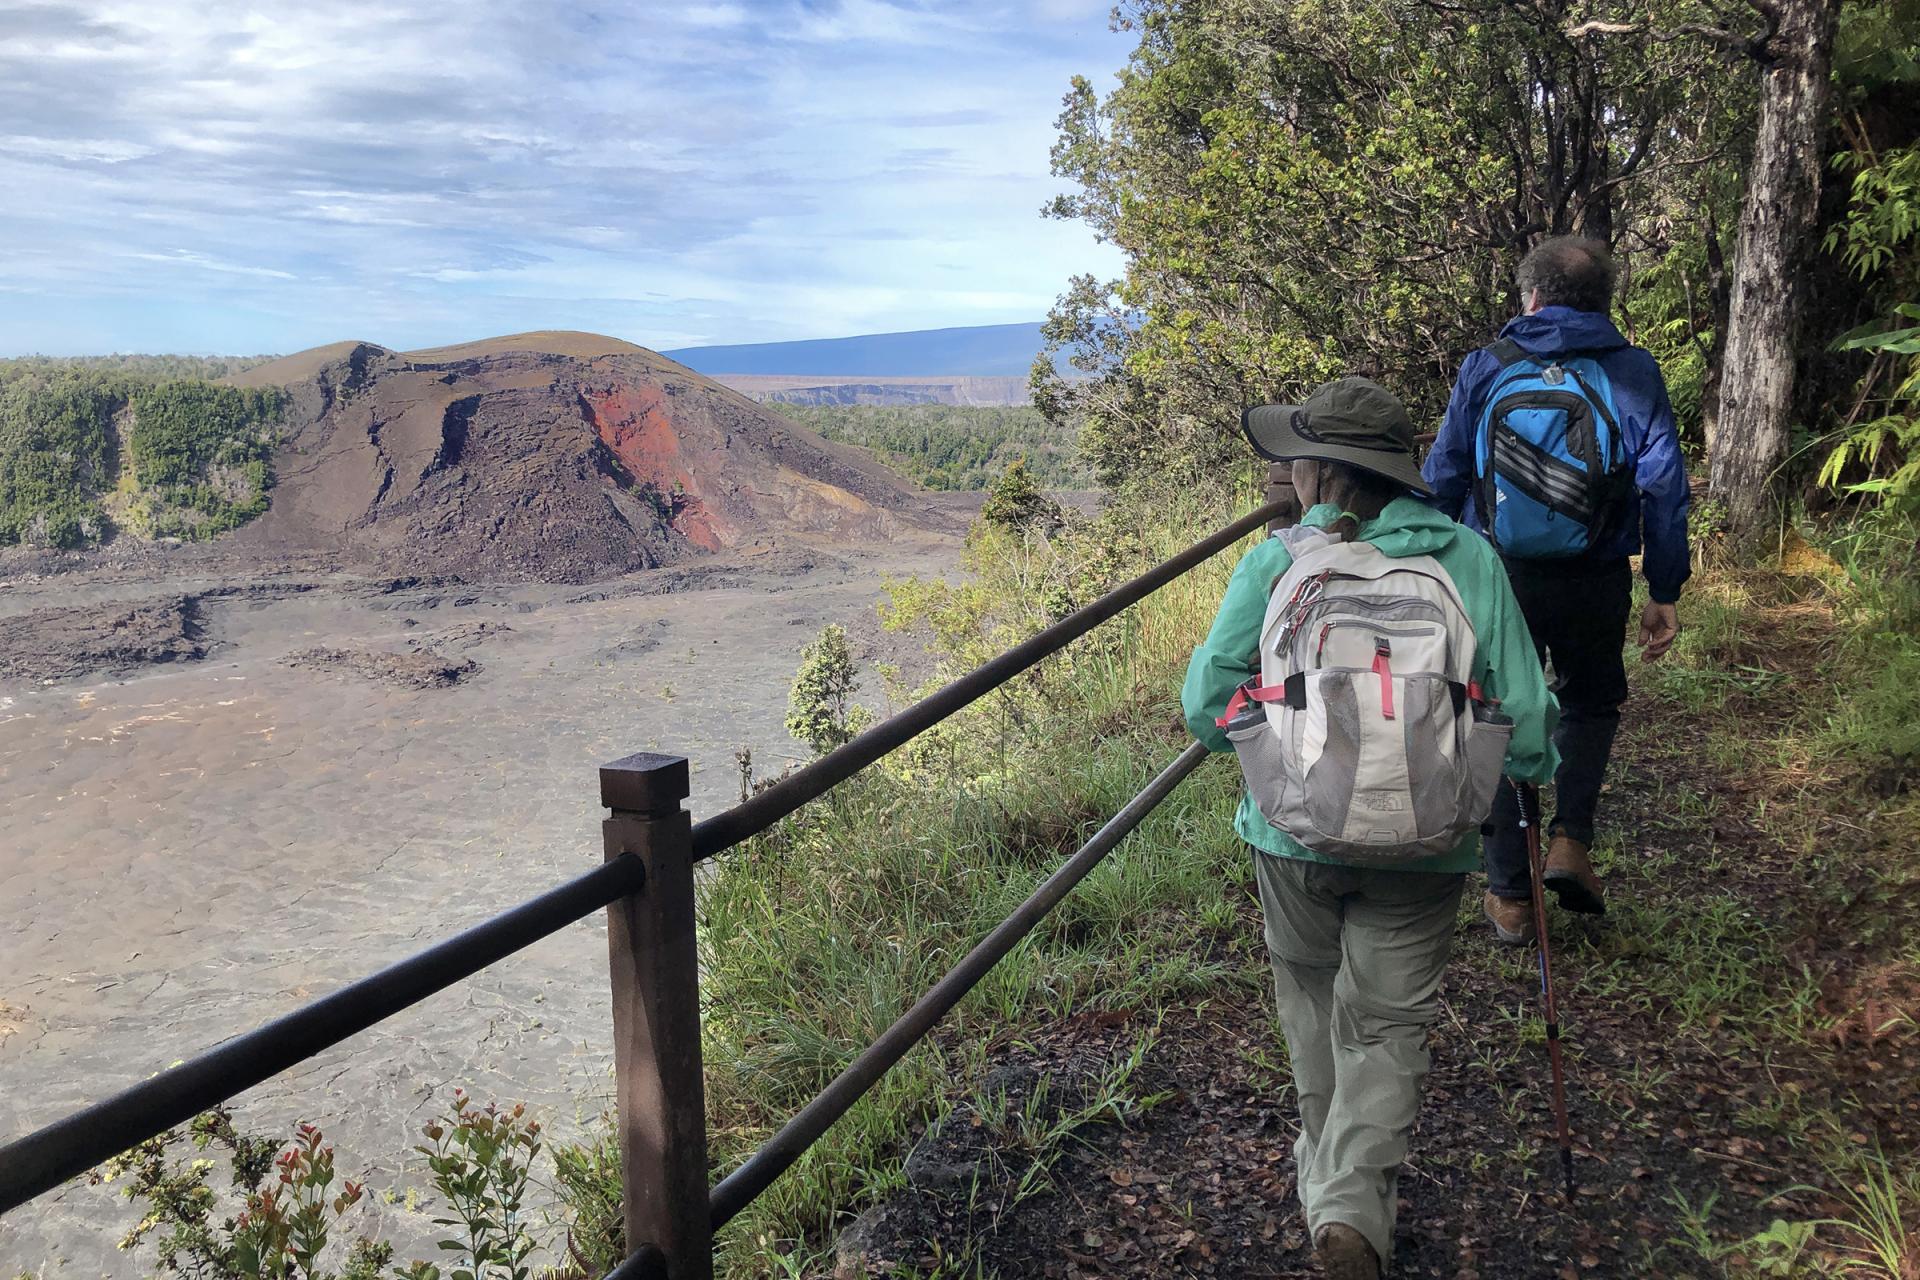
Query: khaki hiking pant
{"type": "Point", "coordinates": [1357, 957]}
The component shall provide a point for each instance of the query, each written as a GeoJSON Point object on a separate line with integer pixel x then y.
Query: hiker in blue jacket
{"type": "Point", "coordinates": [1565, 532]}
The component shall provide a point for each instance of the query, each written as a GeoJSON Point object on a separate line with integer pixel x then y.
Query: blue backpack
{"type": "Point", "coordinates": [1551, 477]}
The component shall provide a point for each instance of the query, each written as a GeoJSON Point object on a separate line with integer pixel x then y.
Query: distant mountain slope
{"type": "Point", "coordinates": [987, 351]}
{"type": "Point", "coordinates": [876, 389]}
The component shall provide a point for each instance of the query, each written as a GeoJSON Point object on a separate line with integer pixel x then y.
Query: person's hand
{"type": "Point", "coordinates": [1659, 627]}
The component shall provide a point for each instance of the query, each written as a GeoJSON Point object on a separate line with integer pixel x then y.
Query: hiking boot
{"type": "Point", "coordinates": [1342, 1253]}
{"type": "Point", "coordinates": [1512, 919]}
{"type": "Point", "coordinates": [1571, 877]}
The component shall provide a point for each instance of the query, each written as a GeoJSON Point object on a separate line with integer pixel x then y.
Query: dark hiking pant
{"type": "Point", "coordinates": [1577, 611]}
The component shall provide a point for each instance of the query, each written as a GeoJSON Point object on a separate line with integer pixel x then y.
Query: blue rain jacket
{"type": "Point", "coordinates": [1646, 425]}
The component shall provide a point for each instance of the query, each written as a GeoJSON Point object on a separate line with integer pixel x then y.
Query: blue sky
{"type": "Point", "coordinates": [206, 176]}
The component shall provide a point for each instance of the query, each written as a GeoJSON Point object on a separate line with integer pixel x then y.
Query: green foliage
{"type": "Point", "coordinates": [481, 1159]}
{"type": "Point", "coordinates": [821, 932]}
{"type": "Point", "coordinates": [145, 367]}
{"type": "Point", "coordinates": [1893, 433]}
{"type": "Point", "coordinates": [1883, 212]}
{"type": "Point", "coordinates": [203, 452]}
{"type": "Point", "coordinates": [57, 453]}
{"type": "Point", "coordinates": [587, 1179]}
{"type": "Point", "coordinates": [820, 710]}
{"type": "Point", "coordinates": [1317, 187]}
{"type": "Point", "coordinates": [944, 446]}
{"type": "Point", "coordinates": [1876, 1228]}
{"type": "Point", "coordinates": [284, 1230]}
{"type": "Point", "coordinates": [80, 438]}
{"type": "Point", "coordinates": [1877, 450]}
{"type": "Point", "coordinates": [286, 1217]}
{"type": "Point", "coordinates": [1017, 503]}
{"type": "Point", "coordinates": [1875, 726]}
{"type": "Point", "coordinates": [1877, 49]}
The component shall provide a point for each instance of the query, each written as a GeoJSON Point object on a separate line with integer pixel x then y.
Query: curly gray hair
{"type": "Point", "coordinates": [1569, 271]}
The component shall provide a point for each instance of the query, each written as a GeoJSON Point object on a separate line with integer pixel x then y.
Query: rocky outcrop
{"type": "Point", "coordinates": [559, 456]}
{"type": "Point", "coordinates": [54, 644]}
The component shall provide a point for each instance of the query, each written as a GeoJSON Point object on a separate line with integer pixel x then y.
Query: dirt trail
{"type": "Point", "coordinates": [1695, 1083]}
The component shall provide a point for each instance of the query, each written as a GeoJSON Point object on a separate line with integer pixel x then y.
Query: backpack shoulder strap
{"type": "Point", "coordinates": [1508, 352]}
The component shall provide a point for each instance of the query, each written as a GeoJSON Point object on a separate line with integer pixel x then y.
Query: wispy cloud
{"type": "Point", "coordinates": [205, 177]}
{"type": "Point", "coordinates": [201, 262]}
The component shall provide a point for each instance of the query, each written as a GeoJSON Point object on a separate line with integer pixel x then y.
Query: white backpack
{"type": "Point", "coordinates": [1364, 736]}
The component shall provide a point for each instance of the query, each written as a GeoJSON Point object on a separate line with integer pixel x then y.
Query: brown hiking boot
{"type": "Point", "coordinates": [1512, 920]}
{"type": "Point", "coordinates": [1342, 1253]}
{"type": "Point", "coordinates": [1570, 876]}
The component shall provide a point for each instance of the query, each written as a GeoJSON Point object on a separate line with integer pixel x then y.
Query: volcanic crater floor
{"type": "Point", "coordinates": [223, 795]}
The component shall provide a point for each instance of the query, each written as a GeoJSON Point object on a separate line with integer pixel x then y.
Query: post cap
{"type": "Point", "coordinates": [644, 782]}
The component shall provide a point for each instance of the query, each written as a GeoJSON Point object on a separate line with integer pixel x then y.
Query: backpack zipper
{"type": "Point", "coordinates": [1327, 629]}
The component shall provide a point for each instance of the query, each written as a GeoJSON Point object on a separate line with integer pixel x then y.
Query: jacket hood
{"type": "Point", "coordinates": [1406, 527]}
{"type": "Point", "coordinates": [1553, 331]}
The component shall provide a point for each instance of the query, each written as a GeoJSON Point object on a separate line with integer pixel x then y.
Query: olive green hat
{"type": "Point", "coordinates": [1353, 420]}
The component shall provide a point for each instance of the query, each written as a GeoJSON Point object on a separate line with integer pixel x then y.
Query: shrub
{"type": "Point", "coordinates": [1017, 503]}
{"type": "Point", "coordinates": [481, 1159]}
{"type": "Point", "coordinates": [820, 711]}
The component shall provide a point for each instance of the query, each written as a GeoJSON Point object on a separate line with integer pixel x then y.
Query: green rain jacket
{"type": "Point", "coordinates": [1505, 664]}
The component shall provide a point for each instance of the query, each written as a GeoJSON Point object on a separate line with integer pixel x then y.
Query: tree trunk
{"type": "Point", "coordinates": [1776, 226]}
{"type": "Point", "coordinates": [1720, 300]}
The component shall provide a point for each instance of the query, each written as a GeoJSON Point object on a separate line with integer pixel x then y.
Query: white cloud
{"type": "Point", "coordinates": [100, 150]}
{"type": "Point", "coordinates": [201, 262]}
{"type": "Point", "coordinates": [714, 15]}
{"type": "Point", "coordinates": [739, 169]}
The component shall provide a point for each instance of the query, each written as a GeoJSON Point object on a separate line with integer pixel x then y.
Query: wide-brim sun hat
{"type": "Point", "coordinates": [1352, 420]}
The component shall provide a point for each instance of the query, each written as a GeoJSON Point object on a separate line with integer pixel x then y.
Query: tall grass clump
{"type": "Point", "coordinates": [818, 934]}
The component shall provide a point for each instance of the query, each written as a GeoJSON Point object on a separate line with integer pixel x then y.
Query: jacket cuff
{"type": "Point", "coordinates": [1663, 594]}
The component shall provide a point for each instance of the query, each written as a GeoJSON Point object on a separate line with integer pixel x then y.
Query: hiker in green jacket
{"type": "Point", "coordinates": [1357, 950]}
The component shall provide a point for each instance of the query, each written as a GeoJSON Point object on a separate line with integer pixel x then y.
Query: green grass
{"type": "Point", "coordinates": [817, 935]}
{"type": "Point", "coordinates": [1809, 678]}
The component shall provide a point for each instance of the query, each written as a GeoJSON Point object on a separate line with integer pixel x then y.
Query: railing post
{"type": "Point", "coordinates": [1279, 487]}
{"type": "Point", "coordinates": [656, 1016]}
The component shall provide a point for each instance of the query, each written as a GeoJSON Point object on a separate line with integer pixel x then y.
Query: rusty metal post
{"type": "Point", "coordinates": [656, 1016]}
{"type": "Point", "coordinates": [1280, 489]}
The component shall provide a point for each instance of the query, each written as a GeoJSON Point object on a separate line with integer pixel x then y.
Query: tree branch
{"type": "Point", "coordinates": [1755, 47]}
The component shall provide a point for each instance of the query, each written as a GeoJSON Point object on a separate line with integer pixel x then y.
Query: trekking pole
{"type": "Point", "coordinates": [1529, 822]}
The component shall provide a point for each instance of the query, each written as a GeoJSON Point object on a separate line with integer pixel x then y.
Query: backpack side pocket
{"type": "Point", "coordinates": [1489, 732]}
{"type": "Point", "coordinates": [1263, 763]}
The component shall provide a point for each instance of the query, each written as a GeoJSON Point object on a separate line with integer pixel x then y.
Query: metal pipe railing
{"type": "Point", "coordinates": [749, 819]}
{"type": "Point", "coordinates": [66, 1148]}
{"type": "Point", "coordinates": [644, 1263]}
{"type": "Point", "coordinates": [739, 1188]}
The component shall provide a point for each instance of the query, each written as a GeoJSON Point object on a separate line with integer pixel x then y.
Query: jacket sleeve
{"type": "Point", "coordinates": [1224, 659]}
{"type": "Point", "coordinates": [1660, 473]}
{"type": "Point", "coordinates": [1449, 466]}
{"type": "Point", "coordinates": [1512, 672]}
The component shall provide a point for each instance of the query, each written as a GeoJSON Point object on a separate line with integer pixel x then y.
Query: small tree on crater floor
{"type": "Point", "coordinates": [1017, 503]}
{"type": "Point", "coordinates": [820, 711]}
